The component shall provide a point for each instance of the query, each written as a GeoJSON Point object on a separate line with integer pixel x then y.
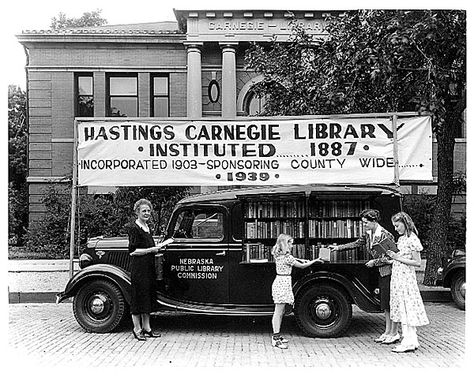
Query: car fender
{"type": "Point", "coordinates": [108, 272]}
{"type": "Point", "coordinates": [450, 270]}
{"type": "Point", "coordinates": [354, 288]}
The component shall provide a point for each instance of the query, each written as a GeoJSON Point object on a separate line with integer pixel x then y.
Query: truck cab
{"type": "Point", "coordinates": [220, 262]}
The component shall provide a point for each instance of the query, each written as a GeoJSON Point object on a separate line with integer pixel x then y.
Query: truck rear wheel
{"type": "Point", "coordinates": [323, 311]}
{"type": "Point", "coordinates": [99, 306]}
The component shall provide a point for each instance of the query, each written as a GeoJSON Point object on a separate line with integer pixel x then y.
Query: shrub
{"type": "Point", "coordinates": [96, 215]}
{"type": "Point", "coordinates": [17, 214]}
{"type": "Point", "coordinates": [50, 234]}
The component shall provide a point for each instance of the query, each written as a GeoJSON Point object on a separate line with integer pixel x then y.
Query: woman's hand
{"type": "Point", "coordinates": [155, 249]}
{"type": "Point", "coordinates": [370, 263]}
{"type": "Point", "coordinates": [333, 247]}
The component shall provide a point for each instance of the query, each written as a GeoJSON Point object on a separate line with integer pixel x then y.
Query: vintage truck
{"type": "Point", "coordinates": [220, 261]}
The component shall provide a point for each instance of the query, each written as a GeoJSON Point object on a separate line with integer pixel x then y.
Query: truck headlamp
{"type": "Point", "coordinates": [85, 260]}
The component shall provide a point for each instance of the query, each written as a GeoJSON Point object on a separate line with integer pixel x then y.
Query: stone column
{"type": "Point", "coordinates": [194, 82]}
{"type": "Point", "coordinates": [229, 80]}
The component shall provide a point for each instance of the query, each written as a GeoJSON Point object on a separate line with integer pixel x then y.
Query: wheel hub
{"type": "Point", "coordinates": [322, 309]}
{"type": "Point", "coordinates": [462, 289]}
{"type": "Point", "coordinates": [98, 304]}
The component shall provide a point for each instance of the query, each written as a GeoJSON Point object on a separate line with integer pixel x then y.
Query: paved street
{"type": "Point", "coordinates": [48, 335]}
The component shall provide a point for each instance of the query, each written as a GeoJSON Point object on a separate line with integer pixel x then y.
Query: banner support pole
{"type": "Point", "coordinates": [396, 172]}
{"type": "Point", "coordinates": [73, 204]}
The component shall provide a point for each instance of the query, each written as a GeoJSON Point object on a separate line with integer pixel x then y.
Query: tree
{"type": "Point", "coordinates": [17, 136]}
{"type": "Point", "coordinates": [17, 164]}
{"type": "Point", "coordinates": [88, 19]}
{"type": "Point", "coordinates": [377, 61]}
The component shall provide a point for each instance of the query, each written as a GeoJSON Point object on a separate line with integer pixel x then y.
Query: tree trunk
{"type": "Point", "coordinates": [437, 238]}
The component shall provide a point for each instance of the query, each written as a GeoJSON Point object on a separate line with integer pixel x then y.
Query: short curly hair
{"type": "Point", "coordinates": [141, 202]}
{"type": "Point", "coordinates": [371, 214]}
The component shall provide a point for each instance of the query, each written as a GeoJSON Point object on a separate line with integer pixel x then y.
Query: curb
{"type": "Point", "coordinates": [33, 298]}
{"type": "Point", "coordinates": [436, 296]}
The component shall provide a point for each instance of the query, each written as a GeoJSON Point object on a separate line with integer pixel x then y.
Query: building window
{"type": "Point", "coordinates": [213, 91]}
{"type": "Point", "coordinates": [253, 104]}
{"type": "Point", "coordinates": [123, 96]}
{"type": "Point", "coordinates": [84, 95]}
{"type": "Point", "coordinates": [160, 96]}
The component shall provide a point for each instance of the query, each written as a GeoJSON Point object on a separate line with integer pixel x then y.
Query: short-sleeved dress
{"type": "Point", "coordinates": [406, 305]}
{"type": "Point", "coordinates": [282, 292]}
{"type": "Point", "coordinates": [142, 268]}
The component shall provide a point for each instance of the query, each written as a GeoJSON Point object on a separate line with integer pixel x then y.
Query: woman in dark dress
{"type": "Point", "coordinates": [143, 276]}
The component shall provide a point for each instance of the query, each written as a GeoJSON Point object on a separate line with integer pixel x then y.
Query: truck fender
{"type": "Point", "coordinates": [353, 287]}
{"type": "Point", "coordinates": [108, 272]}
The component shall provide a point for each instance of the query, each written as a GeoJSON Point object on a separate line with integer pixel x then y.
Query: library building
{"type": "Point", "coordinates": [192, 68]}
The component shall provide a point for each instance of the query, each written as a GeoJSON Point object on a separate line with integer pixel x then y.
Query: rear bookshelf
{"type": "Point", "coordinates": [312, 221]}
{"type": "Point", "coordinates": [336, 221]}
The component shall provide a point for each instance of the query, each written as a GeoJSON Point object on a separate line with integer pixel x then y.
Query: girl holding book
{"type": "Point", "coordinates": [406, 305]}
{"type": "Point", "coordinates": [374, 234]}
{"type": "Point", "coordinates": [282, 291]}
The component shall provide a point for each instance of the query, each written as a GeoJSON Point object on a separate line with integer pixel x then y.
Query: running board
{"type": "Point", "coordinates": [237, 310]}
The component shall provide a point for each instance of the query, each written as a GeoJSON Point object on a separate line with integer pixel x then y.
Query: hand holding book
{"type": "Point", "coordinates": [382, 248]}
{"type": "Point", "coordinates": [164, 243]}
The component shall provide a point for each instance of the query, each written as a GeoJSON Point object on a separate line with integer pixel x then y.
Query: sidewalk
{"type": "Point", "coordinates": [38, 281]}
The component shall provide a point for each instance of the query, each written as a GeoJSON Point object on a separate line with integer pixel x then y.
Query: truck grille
{"type": "Point", "coordinates": [118, 258]}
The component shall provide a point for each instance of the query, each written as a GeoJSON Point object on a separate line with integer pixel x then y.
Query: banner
{"type": "Point", "coordinates": [265, 151]}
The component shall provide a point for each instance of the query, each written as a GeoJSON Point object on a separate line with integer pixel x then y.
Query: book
{"type": "Point", "coordinates": [325, 254]}
{"type": "Point", "coordinates": [381, 247]}
{"type": "Point", "coordinates": [165, 242]}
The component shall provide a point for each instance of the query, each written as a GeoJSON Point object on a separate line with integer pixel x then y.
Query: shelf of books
{"type": "Point", "coordinates": [313, 223]}
{"type": "Point", "coordinates": [336, 221]}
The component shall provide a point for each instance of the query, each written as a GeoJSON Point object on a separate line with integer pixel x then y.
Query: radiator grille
{"type": "Point", "coordinates": [118, 258]}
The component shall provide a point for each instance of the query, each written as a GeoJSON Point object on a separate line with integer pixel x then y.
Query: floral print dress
{"type": "Point", "coordinates": [406, 305]}
{"type": "Point", "coordinates": [282, 291]}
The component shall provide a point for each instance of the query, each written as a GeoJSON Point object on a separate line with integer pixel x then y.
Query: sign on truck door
{"type": "Point", "coordinates": [196, 264]}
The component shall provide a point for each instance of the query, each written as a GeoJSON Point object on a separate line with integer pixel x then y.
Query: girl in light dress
{"type": "Point", "coordinates": [282, 291]}
{"type": "Point", "coordinates": [406, 305]}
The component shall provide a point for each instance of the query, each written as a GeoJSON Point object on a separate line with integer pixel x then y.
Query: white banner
{"type": "Point", "coordinates": [269, 152]}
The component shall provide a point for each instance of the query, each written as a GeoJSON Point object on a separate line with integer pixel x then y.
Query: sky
{"type": "Point", "coordinates": [37, 14]}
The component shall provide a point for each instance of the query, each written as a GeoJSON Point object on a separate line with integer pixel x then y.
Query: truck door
{"type": "Point", "coordinates": [196, 264]}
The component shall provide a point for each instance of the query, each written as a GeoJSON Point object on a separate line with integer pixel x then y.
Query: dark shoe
{"type": "Point", "coordinates": [151, 334]}
{"type": "Point", "coordinates": [279, 344]}
{"type": "Point", "coordinates": [138, 336]}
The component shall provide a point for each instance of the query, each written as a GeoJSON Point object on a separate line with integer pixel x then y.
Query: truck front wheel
{"type": "Point", "coordinates": [323, 311]}
{"type": "Point", "coordinates": [99, 306]}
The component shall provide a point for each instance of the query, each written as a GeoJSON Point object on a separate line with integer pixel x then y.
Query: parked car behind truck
{"type": "Point", "coordinates": [453, 275]}
{"type": "Point", "coordinates": [220, 261]}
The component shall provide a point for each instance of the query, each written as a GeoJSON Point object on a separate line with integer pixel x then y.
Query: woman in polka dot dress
{"type": "Point", "coordinates": [282, 291]}
{"type": "Point", "coordinates": [406, 305]}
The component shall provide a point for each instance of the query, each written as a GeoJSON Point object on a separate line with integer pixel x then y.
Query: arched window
{"type": "Point", "coordinates": [253, 104]}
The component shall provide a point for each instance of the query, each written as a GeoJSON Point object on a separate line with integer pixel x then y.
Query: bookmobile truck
{"type": "Point", "coordinates": [220, 261]}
